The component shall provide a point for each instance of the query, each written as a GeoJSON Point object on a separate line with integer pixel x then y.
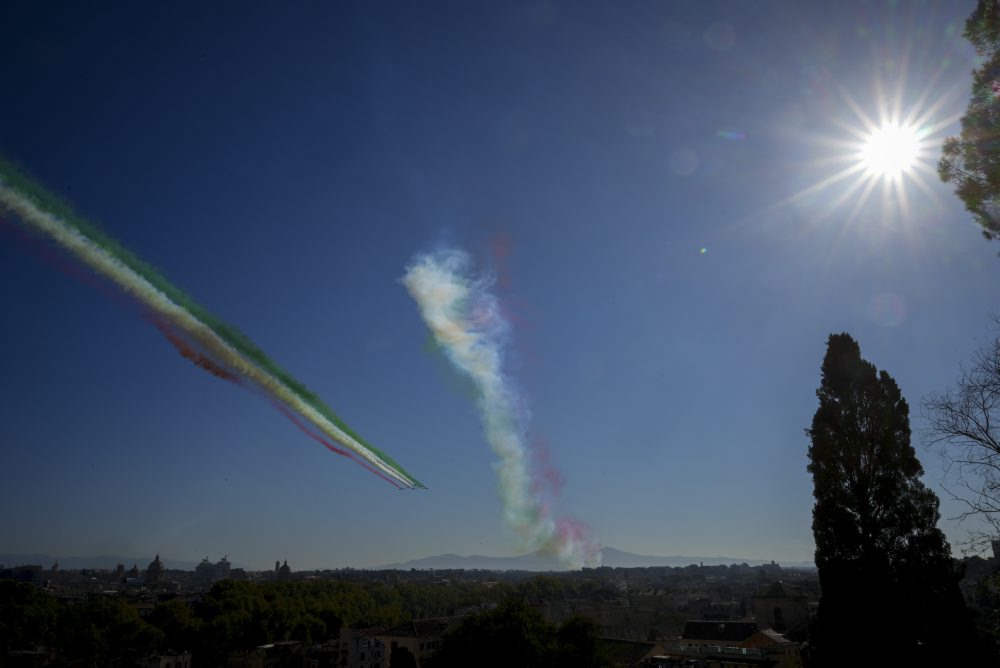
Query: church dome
{"type": "Point", "coordinates": [155, 570]}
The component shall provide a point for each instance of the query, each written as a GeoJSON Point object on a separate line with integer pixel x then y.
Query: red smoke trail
{"type": "Point", "coordinates": [219, 371]}
{"type": "Point", "coordinates": [316, 437]}
{"type": "Point", "coordinates": [45, 252]}
{"type": "Point", "coordinates": [207, 363]}
{"type": "Point", "coordinates": [188, 351]}
{"type": "Point", "coordinates": [500, 248]}
{"type": "Point", "coordinates": [574, 532]}
{"type": "Point", "coordinates": [75, 270]}
{"type": "Point", "coordinates": [124, 275]}
{"type": "Point", "coordinates": [548, 477]}
{"type": "Point", "coordinates": [510, 307]}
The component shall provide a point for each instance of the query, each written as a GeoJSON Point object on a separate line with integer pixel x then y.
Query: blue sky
{"type": "Point", "coordinates": [648, 169]}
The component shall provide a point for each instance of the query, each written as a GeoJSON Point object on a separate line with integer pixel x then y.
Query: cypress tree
{"type": "Point", "coordinates": [889, 582]}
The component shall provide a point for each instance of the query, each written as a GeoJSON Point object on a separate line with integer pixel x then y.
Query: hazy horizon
{"type": "Point", "coordinates": [66, 562]}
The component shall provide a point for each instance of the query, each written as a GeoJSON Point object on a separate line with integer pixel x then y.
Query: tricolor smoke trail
{"type": "Point", "coordinates": [197, 334]}
{"type": "Point", "coordinates": [466, 321]}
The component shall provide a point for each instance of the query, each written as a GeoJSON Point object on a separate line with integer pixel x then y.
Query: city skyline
{"type": "Point", "coordinates": [534, 562]}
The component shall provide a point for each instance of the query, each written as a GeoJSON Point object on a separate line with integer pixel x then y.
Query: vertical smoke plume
{"type": "Point", "coordinates": [466, 321]}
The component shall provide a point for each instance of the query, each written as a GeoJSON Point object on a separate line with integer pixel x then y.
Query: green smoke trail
{"type": "Point", "coordinates": [42, 211]}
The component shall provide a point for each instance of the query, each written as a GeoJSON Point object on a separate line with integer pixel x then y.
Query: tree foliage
{"type": "Point", "coordinates": [95, 632]}
{"type": "Point", "coordinates": [105, 630]}
{"type": "Point", "coordinates": [28, 617]}
{"type": "Point", "coordinates": [516, 635]}
{"type": "Point", "coordinates": [231, 616]}
{"type": "Point", "coordinates": [971, 161]}
{"type": "Point", "coordinates": [875, 523]}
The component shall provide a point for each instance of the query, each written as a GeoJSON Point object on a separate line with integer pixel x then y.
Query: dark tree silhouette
{"type": "Point", "coordinates": [513, 634]}
{"type": "Point", "coordinates": [516, 635]}
{"type": "Point", "coordinates": [971, 161]}
{"type": "Point", "coordinates": [176, 619]}
{"type": "Point", "coordinates": [401, 657]}
{"type": "Point", "coordinates": [578, 645]}
{"type": "Point", "coordinates": [28, 617]}
{"type": "Point", "coordinates": [888, 579]}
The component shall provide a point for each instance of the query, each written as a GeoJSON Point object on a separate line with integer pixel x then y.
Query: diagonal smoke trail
{"type": "Point", "coordinates": [466, 321]}
{"type": "Point", "coordinates": [221, 349]}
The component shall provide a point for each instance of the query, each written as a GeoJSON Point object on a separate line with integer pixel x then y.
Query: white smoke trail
{"type": "Point", "coordinates": [106, 264]}
{"type": "Point", "coordinates": [466, 321]}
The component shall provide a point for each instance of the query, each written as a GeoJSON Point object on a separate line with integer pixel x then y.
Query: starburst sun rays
{"type": "Point", "coordinates": [896, 148]}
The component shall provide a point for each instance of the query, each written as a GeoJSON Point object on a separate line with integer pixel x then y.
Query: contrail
{"type": "Point", "coordinates": [466, 321]}
{"type": "Point", "coordinates": [201, 337]}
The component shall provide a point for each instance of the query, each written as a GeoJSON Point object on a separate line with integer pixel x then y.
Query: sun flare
{"type": "Point", "coordinates": [888, 149]}
{"type": "Point", "coordinates": [891, 150]}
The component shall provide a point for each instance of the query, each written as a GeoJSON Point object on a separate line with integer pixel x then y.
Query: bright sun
{"type": "Point", "coordinates": [891, 150]}
{"type": "Point", "coordinates": [887, 145]}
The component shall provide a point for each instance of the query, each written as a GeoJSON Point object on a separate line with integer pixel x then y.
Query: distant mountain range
{"type": "Point", "coordinates": [543, 562]}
